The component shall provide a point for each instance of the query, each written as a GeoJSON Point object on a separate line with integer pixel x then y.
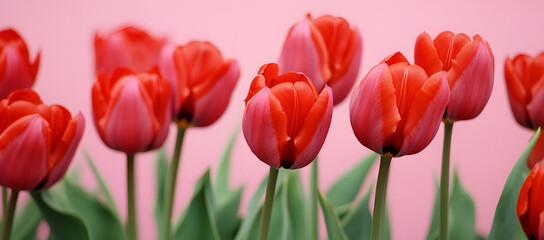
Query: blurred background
{"type": "Point", "coordinates": [253, 32]}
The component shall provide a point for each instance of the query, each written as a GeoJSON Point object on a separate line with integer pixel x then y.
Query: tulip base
{"type": "Point", "coordinates": [445, 181]}
{"type": "Point", "coordinates": [131, 221]}
{"type": "Point", "coordinates": [379, 201]}
{"type": "Point", "coordinates": [268, 201]}
{"type": "Point", "coordinates": [8, 215]}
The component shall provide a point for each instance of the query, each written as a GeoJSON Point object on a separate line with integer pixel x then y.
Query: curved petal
{"type": "Point", "coordinates": [343, 84]}
{"type": "Point", "coordinates": [373, 110]}
{"type": "Point", "coordinates": [395, 58]}
{"type": "Point", "coordinates": [24, 151]}
{"type": "Point", "coordinates": [64, 151]}
{"type": "Point", "coordinates": [17, 72]}
{"type": "Point", "coordinates": [471, 81]}
{"type": "Point", "coordinates": [169, 73]}
{"type": "Point", "coordinates": [426, 56]}
{"type": "Point", "coordinates": [535, 109]}
{"type": "Point", "coordinates": [313, 131]}
{"type": "Point", "coordinates": [537, 154]}
{"type": "Point", "coordinates": [516, 91]}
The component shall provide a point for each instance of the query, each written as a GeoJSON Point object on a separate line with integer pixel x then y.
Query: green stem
{"type": "Point", "coordinates": [445, 181]}
{"type": "Point", "coordinates": [171, 184]}
{"type": "Point", "coordinates": [131, 222]}
{"type": "Point", "coordinates": [268, 201]}
{"type": "Point", "coordinates": [8, 220]}
{"type": "Point", "coordinates": [379, 201]}
{"type": "Point", "coordinates": [4, 200]}
{"type": "Point", "coordinates": [314, 232]}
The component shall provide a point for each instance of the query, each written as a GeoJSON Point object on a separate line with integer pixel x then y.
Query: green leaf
{"type": "Point", "coordinates": [26, 224]}
{"type": "Point", "coordinates": [345, 189]}
{"type": "Point", "coordinates": [386, 227]}
{"type": "Point", "coordinates": [432, 234]}
{"type": "Point", "coordinates": [63, 224]}
{"type": "Point", "coordinates": [334, 227]}
{"type": "Point", "coordinates": [103, 186]}
{"type": "Point", "coordinates": [357, 223]}
{"type": "Point", "coordinates": [462, 213]}
{"type": "Point", "coordinates": [198, 220]}
{"type": "Point", "coordinates": [222, 177]}
{"type": "Point", "coordinates": [280, 222]}
{"type": "Point", "coordinates": [505, 220]}
{"type": "Point", "coordinates": [296, 204]}
{"type": "Point", "coordinates": [161, 167]}
{"type": "Point", "coordinates": [227, 213]}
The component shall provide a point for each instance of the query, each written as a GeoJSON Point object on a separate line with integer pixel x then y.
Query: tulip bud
{"type": "Point", "coordinates": [524, 82]}
{"type": "Point", "coordinates": [286, 121]}
{"type": "Point", "coordinates": [37, 142]}
{"type": "Point", "coordinates": [128, 47]}
{"type": "Point", "coordinates": [131, 111]}
{"type": "Point", "coordinates": [201, 82]}
{"type": "Point", "coordinates": [16, 70]}
{"type": "Point", "coordinates": [396, 109]}
{"type": "Point", "coordinates": [469, 66]}
{"type": "Point", "coordinates": [530, 206]}
{"type": "Point", "coordinates": [327, 50]}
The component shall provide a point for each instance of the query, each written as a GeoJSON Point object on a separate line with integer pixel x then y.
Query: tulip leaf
{"type": "Point", "coordinates": [505, 220]}
{"type": "Point", "coordinates": [432, 234]}
{"type": "Point", "coordinates": [103, 223]}
{"type": "Point", "coordinates": [280, 221]}
{"type": "Point", "coordinates": [462, 217]}
{"type": "Point", "coordinates": [222, 178]}
{"type": "Point", "coordinates": [296, 204]}
{"type": "Point", "coordinates": [25, 224]}
{"type": "Point", "coordinates": [344, 191]}
{"type": "Point", "coordinates": [358, 221]}
{"type": "Point", "coordinates": [63, 224]}
{"type": "Point", "coordinates": [198, 220]}
{"type": "Point", "coordinates": [386, 225]}
{"type": "Point", "coordinates": [334, 227]}
{"type": "Point", "coordinates": [102, 185]}
{"type": "Point", "coordinates": [161, 167]}
{"type": "Point", "coordinates": [227, 213]}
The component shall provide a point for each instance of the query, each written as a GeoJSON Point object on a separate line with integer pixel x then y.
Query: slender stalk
{"type": "Point", "coordinates": [131, 222]}
{"type": "Point", "coordinates": [171, 184]}
{"type": "Point", "coordinates": [268, 201]}
{"type": "Point", "coordinates": [314, 227]}
{"type": "Point", "coordinates": [8, 220]}
{"type": "Point", "coordinates": [379, 201]}
{"type": "Point", "coordinates": [4, 200]}
{"type": "Point", "coordinates": [445, 181]}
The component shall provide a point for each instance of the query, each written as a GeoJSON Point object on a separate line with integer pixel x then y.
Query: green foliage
{"type": "Point", "coordinates": [25, 224]}
{"type": "Point", "coordinates": [358, 222]}
{"type": "Point", "coordinates": [462, 213]}
{"type": "Point", "coordinates": [161, 167]}
{"type": "Point", "coordinates": [334, 227]}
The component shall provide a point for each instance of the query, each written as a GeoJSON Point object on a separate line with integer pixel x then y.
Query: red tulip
{"type": "Point", "coordinates": [531, 204]}
{"type": "Point", "coordinates": [396, 109]}
{"type": "Point", "coordinates": [127, 47]}
{"type": "Point", "coordinates": [524, 81]}
{"type": "Point", "coordinates": [469, 66]}
{"type": "Point", "coordinates": [285, 121]}
{"type": "Point", "coordinates": [37, 142]}
{"type": "Point", "coordinates": [16, 70]}
{"type": "Point", "coordinates": [131, 111]}
{"type": "Point", "coordinates": [201, 81]}
{"type": "Point", "coordinates": [327, 50]}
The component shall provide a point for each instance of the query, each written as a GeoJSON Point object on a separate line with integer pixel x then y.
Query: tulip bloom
{"type": "Point", "coordinates": [469, 66]}
{"type": "Point", "coordinates": [127, 47]}
{"type": "Point", "coordinates": [524, 82]}
{"type": "Point", "coordinates": [131, 111]}
{"type": "Point", "coordinates": [396, 109]}
{"type": "Point", "coordinates": [327, 50]}
{"type": "Point", "coordinates": [285, 120]}
{"type": "Point", "coordinates": [16, 69]}
{"type": "Point", "coordinates": [37, 141]}
{"type": "Point", "coordinates": [201, 82]}
{"type": "Point", "coordinates": [531, 204]}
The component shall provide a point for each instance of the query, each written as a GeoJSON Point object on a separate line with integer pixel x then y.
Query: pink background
{"type": "Point", "coordinates": [484, 149]}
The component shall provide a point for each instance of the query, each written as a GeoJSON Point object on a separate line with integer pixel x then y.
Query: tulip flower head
{"type": "Point", "coordinates": [530, 206]}
{"type": "Point", "coordinates": [327, 50]}
{"type": "Point", "coordinates": [131, 110]}
{"type": "Point", "coordinates": [286, 121]}
{"type": "Point", "coordinates": [128, 47]}
{"type": "Point", "coordinates": [16, 69]}
{"type": "Point", "coordinates": [37, 141]}
{"type": "Point", "coordinates": [525, 83]}
{"type": "Point", "coordinates": [469, 66]}
{"type": "Point", "coordinates": [201, 82]}
{"type": "Point", "coordinates": [396, 109]}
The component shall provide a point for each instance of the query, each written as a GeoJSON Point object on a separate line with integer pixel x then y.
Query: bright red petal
{"type": "Point", "coordinates": [425, 54]}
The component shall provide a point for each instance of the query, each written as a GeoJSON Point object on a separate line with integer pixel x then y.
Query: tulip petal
{"type": "Point", "coordinates": [513, 72]}
{"type": "Point", "coordinates": [471, 81]}
{"type": "Point", "coordinates": [423, 117]}
{"type": "Point", "coordinates": [58, 122]}
{"type": "Point", "coordinates": [17, 71]}
{"type": "Point", "coordinates": [537, 154]}
{"type": "Point", "coordinates": [313, 131]}
{"type": "Point", "coordinates": [425, 54]}
{"type": "Point", "coordinates": [63, 153]}
{"type": "Point", "coordinates": [373, 110]}
{"type": "Point", "coordinates": [448, 46]}
{"type": "Point", "coordinates": [23, 169]}
{"type": "Point", "coordinates": [343, 83]}
{"type": "Point", "coordinates": [169, 73]}
{"type": "Point", "coordinates": [535, 109]}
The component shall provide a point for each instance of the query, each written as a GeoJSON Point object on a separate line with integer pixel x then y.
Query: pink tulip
{"type": "Point", "coordinates": [286, 121]}
{"type": "Point", "coordinates": [131, 111]}
{"type": "Point", "coordinates": [327, 50]}
{"type": "Point", "coordinates": [16, 70]}
{"type": "Point", "coordinates": [396, 109]}
{"type": "Point", "coordinates": [201, 82]}
{"type": "Point", "coordinates": [37, 142]}
{"type": "Point", "coordinates": [127, 47]}
{"type": "Point", "coordinates": [469, 66]}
